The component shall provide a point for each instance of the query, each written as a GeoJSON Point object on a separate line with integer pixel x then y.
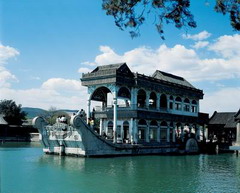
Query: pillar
{"type": "Point", "coordinates": [158, 101]}
{"type": "Point", "coordinates": [167, 96]}
{"type": "Point", "coordinates": [158, 133]}
{"type": "Point", "coordinates": [147, 99]}
{"type": "Point", "coordinates": [174, 133]}
{"type": "Point", "coordinates": [147, 133]}
{"type": "Point", "coordinates": [135, 131]}
{"type": "Point", "coordinates": [88, 109]}
{"type": "Point", "coordinates": [133, 98]}
{"type": "Point", "coordinates": [131, 130]}
{"type": "Point", "coordinates": [115, 118]}
{"type": "Point", "coordinates": [168, 132]}
{"type": "Point", "coordinates": [101, 127]}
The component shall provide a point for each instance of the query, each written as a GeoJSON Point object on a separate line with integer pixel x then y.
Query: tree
{"type": "Point", "coordinates": [132, 13]}
{"type": "Point", "coordinates": [12, 112]}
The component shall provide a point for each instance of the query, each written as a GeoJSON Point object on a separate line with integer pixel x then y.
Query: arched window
{"type": "Point", "coordinates": [171, 102]}
{"type": "Point", "coordinates": [101, 97]}
{"type": "Point", "coordinates": [163, 101]}
{"type": "Point", "coordinates": [126, 131]}
{"type": "Point", "coordinates": [142, 126]}
{"type": "Point", "coordinates": [141, 98]}
{"type": "Point", "coordinates": [163, 131]}
{"type": "Point", "coordinates": [110, 130]}
{"type": "Point", "coordinates": [194, 106]}
{"type": "Point", "coordinates": [153, 100]}
{"type": "Point", "coordinates": [124, 97]}
{"type": "Point", "coordinates": [153, 130]}
{"type": "Point", "coordinates": [124, 93]}
{"type": "Point", "coordinates": [186, 106]}
{"type": "Point", "coordinates": [178, 104]}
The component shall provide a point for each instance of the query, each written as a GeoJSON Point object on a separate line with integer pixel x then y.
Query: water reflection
{"type": "Point", "coordinates": [69, 163]}
{"type": "Point", "coordinates": [31, 168]}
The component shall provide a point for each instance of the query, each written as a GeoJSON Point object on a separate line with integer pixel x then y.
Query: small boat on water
{"type": "Point", "coordinates": [136, 115]}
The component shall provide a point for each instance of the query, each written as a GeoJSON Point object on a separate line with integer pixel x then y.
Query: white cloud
{"type": "Point", "coordinates": [57, 92]}
{"type": "Point", "coordinates": [197, 37]}
{"type": "Point", "coordinates": [7, 52]}
{"type": "Point", "coordinates": [87, 63]}
{"type": "Point", "coordinates": [6, 77]}
{"type": "Point", "coordinates": [224, 100]}
{"type": "Point", "coordinates": [61, 84]}
{"type": "Point", "coordinates": [227, 46]}
{"type": "Point", "coordinates": [178, 60]}
{"type": "Point", "coordinates": [200, 44]}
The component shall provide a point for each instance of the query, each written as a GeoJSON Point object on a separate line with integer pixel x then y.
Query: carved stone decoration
{"type": "Point", "coordinates": [112, 87]}
{"type": "Point", "coordinates": [38, 122]}
{"type": "Point", "coordinates": [91, 89]}
{"type": "Point", "coordinates": [75, 121]}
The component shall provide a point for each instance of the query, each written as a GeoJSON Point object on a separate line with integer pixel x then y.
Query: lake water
{"type": "Point", "coordinates": [25, 169]}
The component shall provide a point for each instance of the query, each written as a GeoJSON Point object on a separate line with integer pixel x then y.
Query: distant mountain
{"type": "Point", "coordinates": [33, 112]}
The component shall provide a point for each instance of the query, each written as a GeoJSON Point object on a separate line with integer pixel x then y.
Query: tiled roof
{"type": "Point", "coordinates": [223, 118]}
{"type": "Point", "coordinates": [171, 78]}
{"type": "Point", "coordinates": [108, 67]}
{"type": "Point", "coordinates": [237, 116]}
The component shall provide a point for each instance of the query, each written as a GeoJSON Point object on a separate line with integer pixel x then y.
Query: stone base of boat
{"type": "Point", "coordinates": [78, 139]}
{"type": "Point", "coordinates": [124, 151]}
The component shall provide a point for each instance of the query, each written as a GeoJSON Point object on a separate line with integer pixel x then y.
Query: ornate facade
{"type": "Point", "coordinates": [139, 109]}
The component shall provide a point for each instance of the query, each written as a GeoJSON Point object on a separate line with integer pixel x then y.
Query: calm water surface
{"type": "Point", "coordinates": [25, 169]}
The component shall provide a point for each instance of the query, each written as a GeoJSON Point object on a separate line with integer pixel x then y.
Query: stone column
{"type": "Point", "coordinates": [181, 109]}
{"type": "Point", "coordinates": [167, 96]}
{"type": "Point", "coordinates": [135, 131]}
{"type": "Point", "coordinates": [88, 109]}
{"type": "Point", "coordinates": [158, 101]}
{"type": "Point", "coordinates": [133, 98]}
{"type": "Point", "coordinates": [115, 117]}
{"type": "Point", "coordinates": [174, 132]}
{"type": "Point", "coordinates": [159, 132]}
{"type": "Point", "coordinates": [168, 132]}
{"type": "Point", "coordinates": [147, 133]}
{"type": "Point", "coordinates": [131, 130]}
{"type": "Point", "coordinates": [147, 99]}
{"type": "Point", "coordinates": [101, 127]}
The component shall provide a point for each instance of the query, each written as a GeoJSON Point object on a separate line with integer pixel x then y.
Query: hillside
{"type": "Point", "coordinates": [33, 112]}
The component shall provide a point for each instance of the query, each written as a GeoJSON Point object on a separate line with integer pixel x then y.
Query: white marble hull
{"type": "Point", "coordinates": [78, 139]}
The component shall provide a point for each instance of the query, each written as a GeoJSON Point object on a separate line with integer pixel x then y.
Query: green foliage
{"type": "Point", "coordinates": [131, 14]}
{"type": "Point", "coordinates": [231, 7]}
{"type": "Point", "coordinates": [12, 112]}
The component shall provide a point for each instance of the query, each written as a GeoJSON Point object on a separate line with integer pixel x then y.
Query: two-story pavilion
{"type": "Point", "coordinates": [135, 108]}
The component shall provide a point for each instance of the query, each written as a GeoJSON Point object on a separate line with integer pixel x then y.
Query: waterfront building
{"type": "Point", "coordinates": [222, 127]}
{"type": "Point", "coordinates": [140, 109]}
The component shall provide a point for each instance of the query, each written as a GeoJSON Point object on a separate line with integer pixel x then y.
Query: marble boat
{"type": "Point", "coordinates": [133, 114]}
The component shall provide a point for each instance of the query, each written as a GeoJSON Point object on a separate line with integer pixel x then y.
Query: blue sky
{"type": "Point", "coordinates": [46, 45]}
